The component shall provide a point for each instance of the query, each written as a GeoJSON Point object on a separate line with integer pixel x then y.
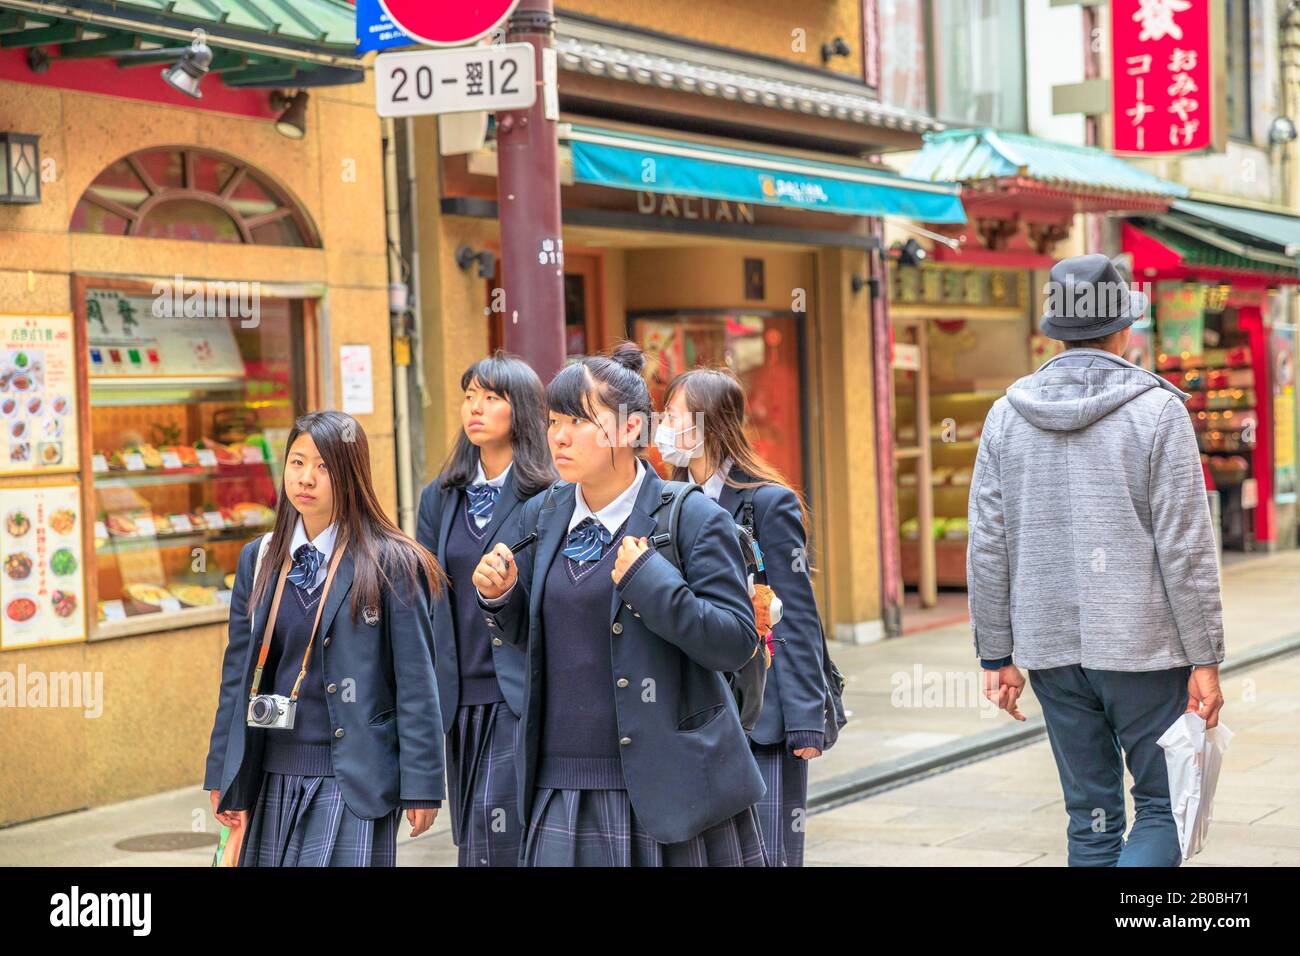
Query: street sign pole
{"type": "Point", "coordinates": [528, 202]}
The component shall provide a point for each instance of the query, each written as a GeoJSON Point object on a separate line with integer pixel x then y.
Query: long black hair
{"type": "Point", "coordinates": [514, 380]}
{"type": "Point", "coordinates": [382, 555]}
{"type": "Point", "coordinates": [614, 380]}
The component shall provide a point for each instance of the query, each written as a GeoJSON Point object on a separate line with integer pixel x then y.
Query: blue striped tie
{"type": "Point", "coordinates": [587, 542]}
{"type": "Point", "coordinates": [482, 499]}
{"type": "Point", "coordinates": [306, 562]}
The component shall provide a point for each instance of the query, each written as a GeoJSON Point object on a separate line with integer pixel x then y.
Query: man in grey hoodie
{"type": "Point", "coordinates": [1092, 563]}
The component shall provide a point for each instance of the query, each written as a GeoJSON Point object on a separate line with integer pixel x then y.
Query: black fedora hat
{"type": "Point", "coordinates": [1087, 298]}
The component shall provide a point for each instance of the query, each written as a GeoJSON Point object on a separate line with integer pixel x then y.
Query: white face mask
{"type": "Point", "coordinates": [666, 442]}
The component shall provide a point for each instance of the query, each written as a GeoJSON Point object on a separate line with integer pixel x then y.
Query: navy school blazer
{"type": "Point", "coordinates": [686, 761]}
{"type": "Point", "coordinates": [439, 507]}
{"type": "Point", "coordinates": [794, 699]}
{"type": "Point", "coordinates": [387, 743]}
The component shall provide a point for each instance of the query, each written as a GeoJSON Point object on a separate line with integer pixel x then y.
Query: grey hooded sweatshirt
{"type": "Point", "coordinates": [1090, 535]}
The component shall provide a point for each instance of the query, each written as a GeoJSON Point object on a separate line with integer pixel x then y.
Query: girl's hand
{"type": "Point", "coordinates": [235, 819]}
{"type": "Point", "coordinates": [421, 820]}
{"type": "Point", "coordinates": [631, 549]}
{"type": "Point", "coordinates": [496, 573]}
{"type": "Point", "coordinates": [808, 753]}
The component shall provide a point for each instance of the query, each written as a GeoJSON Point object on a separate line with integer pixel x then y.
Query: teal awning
{"type": "Point", "coordinates": [662, 165]}
{"type": "Point", "coordinates": [1274, 229]}
{"type": "Point", "coordinates": [975, 155]}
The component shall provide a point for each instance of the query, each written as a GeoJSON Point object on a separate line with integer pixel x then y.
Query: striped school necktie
{"type": "Point", "coordinates": [587, 541]}
{"type": "Point", "coordinates": [482, 499]}
{"type": "Point", "coordinates": [306, 562]}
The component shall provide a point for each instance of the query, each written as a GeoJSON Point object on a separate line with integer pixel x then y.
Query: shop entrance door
{"type": "Point", "coordinates": [912, 460]}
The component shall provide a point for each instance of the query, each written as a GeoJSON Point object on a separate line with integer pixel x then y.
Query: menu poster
{"type": "Point", "coordinates": [358, 379]}
{"type": "Point", "coordinates": [1180, 312]}
{"type": "Point", "coordinates": [184, 329]}
{"type": "Point", "coordinates": [38, 394]}
{"type": "Point", "coordinates": [1286, 481]}
{"type": "Point", "coordinates": [42, 587]}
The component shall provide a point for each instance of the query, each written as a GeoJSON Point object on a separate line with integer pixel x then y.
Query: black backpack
{"type": "Point", "coordinates": [832, 679]}
{"type": "Point", "coordinates": [748, 683]}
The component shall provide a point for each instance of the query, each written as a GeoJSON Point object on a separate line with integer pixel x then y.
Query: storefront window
{"type": "Point", "coordinates": [903, 55]}
{"type": "Point", "coordinates": [190, 410]}
{"type": "Point", "coordinates": [194, 195]}
{"type": "Point", "coordinates": [979, 63]}
{"type": "Point", "coordinates": [762, 348]}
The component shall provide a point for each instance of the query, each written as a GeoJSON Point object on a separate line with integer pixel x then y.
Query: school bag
{"type": "Point", "coordinates": [832, 679]}
{"type": "Point", "coordinates": [748, 683]}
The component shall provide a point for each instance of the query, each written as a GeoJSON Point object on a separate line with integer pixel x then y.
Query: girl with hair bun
{"type": "Point", "coordinates": [631, 751]}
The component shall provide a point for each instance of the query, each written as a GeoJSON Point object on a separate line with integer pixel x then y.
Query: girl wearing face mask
{"type": "Point", "coordinates": [330, 611]}
{"type": "Point", "coordinates": [499, 461]}
{"type": "Point", "coordinates": [631, 750]}
{"type": "Point", "coordinates": [703, 437]}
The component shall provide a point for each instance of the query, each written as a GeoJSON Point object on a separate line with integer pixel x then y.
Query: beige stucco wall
{"type": "Point", "coordinates": [775, 28]}
{"type": "Point", "coordinates": [161, 689]}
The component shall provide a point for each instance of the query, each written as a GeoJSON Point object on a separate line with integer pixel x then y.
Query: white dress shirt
{"type": "Point", "coordinates": [323, 542]}
{"type": "Point", "coordinates": [481, 478]}
{"type": "Point", "coordinates": [714, 484]}
{"type": "Point", "coordinates": [611, 516]}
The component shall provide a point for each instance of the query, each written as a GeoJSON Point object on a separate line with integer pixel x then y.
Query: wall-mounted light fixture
{"type": "Point", "coordinates": [20, 179]}
{"type": "Point", "coordinates": [912, 253]}
{"type": "Point", "coordinates": [836, 47]}
{"type": "Point", "coordinates": [487, 262]}
{"type": "Point", "coordinates": [293, 121]}
{"type": "Point", "coordinates": [188, 72]}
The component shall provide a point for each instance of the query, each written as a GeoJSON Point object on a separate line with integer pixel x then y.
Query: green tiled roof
{"type": "Point", "coordinates": [255, 42]}
{"type": "Point", "coordinates": [1203, 255]}
{"type": "Point", "coordinates": [970, 155]}
{"type": "Point", "coordinates": [1274, 228]}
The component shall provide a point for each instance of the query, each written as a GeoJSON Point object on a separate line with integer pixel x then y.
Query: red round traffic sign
{"type": "Point", "coordinates": [448, 22]}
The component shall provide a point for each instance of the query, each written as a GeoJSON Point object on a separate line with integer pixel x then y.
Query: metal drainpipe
{"type": "Point", "coordinates": [401, 343]}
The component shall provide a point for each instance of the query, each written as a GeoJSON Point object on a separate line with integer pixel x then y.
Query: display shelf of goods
{"type": "Point", "coordinates": [179, 488]}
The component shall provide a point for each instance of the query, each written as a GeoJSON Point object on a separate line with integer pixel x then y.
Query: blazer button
{"type": "Point", "coordinates": [332, 688]}
{"type": "Point", "coordinates": [326, 642]}
{"type": "Point", "coordinates": [338, 732]}
{"type": "Point", "coordinates": [497, 642]}
{"type": "Point", "coordinates": [622, 682]}
{"type": "Point", "coordinates": [617, 628]}
{"type": "Point", "coordinates": [625, 741]}
{"type": "Point", "coordinates": [491, 623]}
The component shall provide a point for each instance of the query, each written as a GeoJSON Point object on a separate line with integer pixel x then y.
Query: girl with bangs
{"type": "Point", "coordinates": [631, 749]}
{"type": "Point", "coordinates": [703, 437]}
{"type": "Point", "coordinates": [498, 462]}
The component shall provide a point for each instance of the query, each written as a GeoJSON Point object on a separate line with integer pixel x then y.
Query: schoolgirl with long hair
{"type": "Point", "coordinates": [631, 749]}
{"type": "Point", "coordinates": [324, 731]}
{"type": "Point", "coordinates": [499, 460]}
{"type": "Point", "coordinates": [702, 436]}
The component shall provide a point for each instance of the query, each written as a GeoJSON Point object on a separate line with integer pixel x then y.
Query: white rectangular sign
{"type": "Point", "coordinates": [457, 80]}
{"type": "Point", "coordinates": [358, 379]}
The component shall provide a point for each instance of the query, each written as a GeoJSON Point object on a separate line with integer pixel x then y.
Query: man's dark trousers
{"type": "Point", "coordinates": [1090, 716]}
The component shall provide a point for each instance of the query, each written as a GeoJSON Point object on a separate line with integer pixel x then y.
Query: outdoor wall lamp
{"type": "Point", "coordinates": [465, 257]}
{"type": "Point", "coordinates": [20, 179]}
{"type": "Point", "coordinates": [292, 122]}
{"type": "Point", "coordinates": [1281, 131]}
{"type": "Point", "coordinates": [912, 253]}
{"type": "Point", "coordinates": [836, 47]}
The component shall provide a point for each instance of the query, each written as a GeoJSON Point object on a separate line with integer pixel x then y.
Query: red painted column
{"type": "Point", "coordinates": [528, 200]}
{"type": "Point", "coordinates": [882, 354]}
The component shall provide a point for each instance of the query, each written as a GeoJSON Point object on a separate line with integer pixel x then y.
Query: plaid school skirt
{"type": "Point", "coordinates": [783, 810]}
{"type": "Point", "coordinates": [598, 828]}
{"type": "Point", "coordinates": [303, 821]}
{"type": "Point", "coordinates": [481, 785]}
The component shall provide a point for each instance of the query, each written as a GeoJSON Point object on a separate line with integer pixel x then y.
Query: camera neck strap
{"type": "Point", "coordinates": [269, 629]}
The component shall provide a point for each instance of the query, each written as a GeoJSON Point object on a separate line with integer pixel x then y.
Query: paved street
{"type": "Point", "coordinates": [1004, 810]}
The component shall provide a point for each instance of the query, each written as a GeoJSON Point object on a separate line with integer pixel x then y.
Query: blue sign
{"type": "Point", "coordinates": [376, 30]}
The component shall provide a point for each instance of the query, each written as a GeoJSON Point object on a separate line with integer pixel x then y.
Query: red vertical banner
{"type": "Point", "coordinates": [871, 43]}
{"type": "Point", "coordinates": [1162, 94]}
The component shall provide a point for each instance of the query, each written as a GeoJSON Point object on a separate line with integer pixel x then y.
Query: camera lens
{"type": "Point", "coordinates": [263, 710]}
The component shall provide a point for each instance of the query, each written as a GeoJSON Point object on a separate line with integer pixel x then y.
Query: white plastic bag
{"type": "Point", "coordinates": [1193, 756]}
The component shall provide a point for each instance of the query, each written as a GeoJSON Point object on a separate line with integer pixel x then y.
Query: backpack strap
{"type": "Point", "coordinates": [667, 514]}
{"type": "Point", "coordinates": [546, 503]}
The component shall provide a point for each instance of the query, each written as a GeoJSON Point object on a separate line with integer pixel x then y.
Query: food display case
{"type": "Point", "coordinates": [188, 419]}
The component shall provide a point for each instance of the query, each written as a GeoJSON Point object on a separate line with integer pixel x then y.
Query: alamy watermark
{"type": "Point", "coordinates": [83, 690]}
{"type": "Point", "coordinates": [1094, 300]}
{"type": "Point", "coordinates": [179, 298]}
